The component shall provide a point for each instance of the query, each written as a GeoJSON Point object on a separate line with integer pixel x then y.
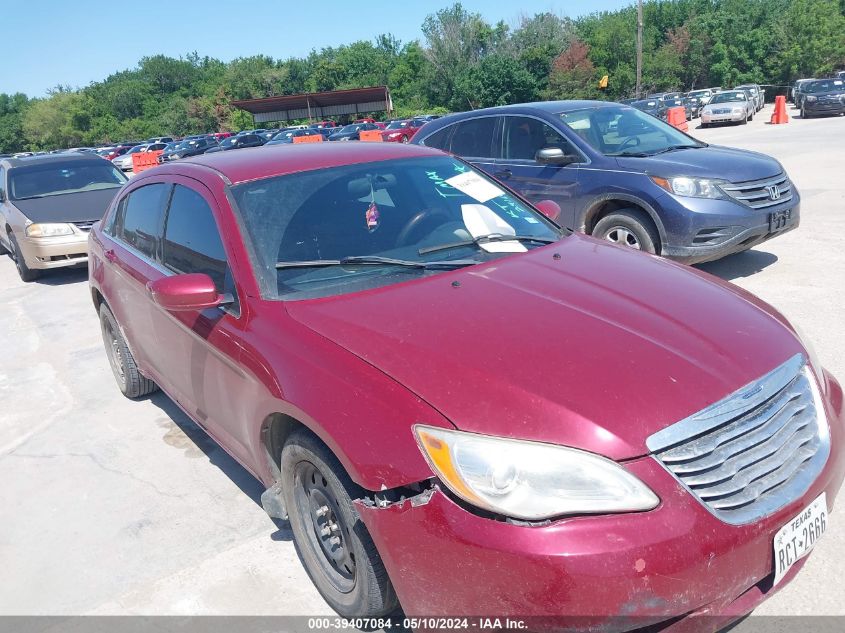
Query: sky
{"type": "Point", "coordinates": [75, 42]}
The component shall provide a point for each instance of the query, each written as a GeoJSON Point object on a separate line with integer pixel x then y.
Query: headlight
{"type": "Point", "coordinates": [530, 480]}
{"type": "Point", "coordinates": [690, 187]}
{"type": "Point", "coordinates": [48, 230]}
{"type": "Point", "coordinates": [737, 110]}
{"type": "Point", "coordinates": [811, 98]}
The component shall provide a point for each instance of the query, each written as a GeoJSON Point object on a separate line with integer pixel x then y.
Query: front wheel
{"type": "Point", "coordinates": [26, 273]}
{"type": "Point", "coordinates": [334, 544]}
{"type": "Point", "coordinates": [628, 227]}
{"type": "Point", "coordinates": [405, 139]}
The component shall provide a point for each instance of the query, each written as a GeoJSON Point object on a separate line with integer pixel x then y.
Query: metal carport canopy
{"type": "Point", "coordinates": [317, 105]}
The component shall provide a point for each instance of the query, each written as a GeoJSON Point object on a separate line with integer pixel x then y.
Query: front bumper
{"type": "Point", "coordinates": [615, 572]}
{"type": "Point", "coordinates": [54, 252]}
{"type": "Point", "coordinates": [701, 230]}
{"type": "Point", "coordinates": [707, 118]}
{"type": "Point", "coordinates": [817, 108]}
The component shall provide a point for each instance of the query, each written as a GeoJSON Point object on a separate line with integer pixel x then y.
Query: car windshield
{"type": "Point", "coordinates": [751, 89]}
{"type": "Point", "coordinates": [283, 135]}
{"type": "Point", "coordinates": [57, 178]}
{"type": "Point", "coordinates": [136, 149]}
{"type": "Point", "coordinates": [397, 125]}
{"type": "Point", "coordinates": [230, 140]}
{"type": "Point", "coordinates": [828, 85]}
{"type": "Point", "coordinates": [356, 227]}
{"type": "Point", "coordinates": [728, 97]}
{"type": "Point", "coordinates": [625, 131]}
{"type": "Point", "coordinates": [350, 128]}
{"type": "Point", "coordinates": [699, 93]}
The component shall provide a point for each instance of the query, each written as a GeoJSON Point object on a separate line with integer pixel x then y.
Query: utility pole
{"type": "Point", "coordinates": [639, 47]}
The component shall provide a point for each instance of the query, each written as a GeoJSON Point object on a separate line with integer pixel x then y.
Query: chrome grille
{"type": "Point", "coordinates": [754, 452]}
{"type": "Point", "coordinates": [757, 194]}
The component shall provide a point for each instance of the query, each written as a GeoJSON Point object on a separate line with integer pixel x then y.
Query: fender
{"type": "Point", "coordinates": [593, 205]}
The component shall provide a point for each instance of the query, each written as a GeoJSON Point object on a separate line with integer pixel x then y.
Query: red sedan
{"type": "Point", "coordinates": [402, 131]}
{"type": "Point", "coordinates": [461, 407]}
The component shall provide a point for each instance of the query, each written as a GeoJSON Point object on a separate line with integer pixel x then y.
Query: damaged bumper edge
{"type": "Point", "coordinates": [610, 572]}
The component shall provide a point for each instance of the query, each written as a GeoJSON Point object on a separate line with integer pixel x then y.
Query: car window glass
{"type": "Point", "coordinates": [140, 225]}
{"type": "Point", "coordinates": [191, 240]}
{"type": "Point", "coordinates": [525, 136]}
{"type": "Point", "coordinates": [440, 139]}
{"type": "Point", "coordinates": [474, 137]}
{"type": "Point", "coordinates": [2, 180]}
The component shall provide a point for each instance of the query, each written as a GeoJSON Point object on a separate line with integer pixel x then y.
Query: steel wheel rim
{"type": "Point", "coordinates": [622, 236]}
{"type": "Point", "coordinates": [115, 353]}
{"type": "Point", "coordinates": [326, 534]}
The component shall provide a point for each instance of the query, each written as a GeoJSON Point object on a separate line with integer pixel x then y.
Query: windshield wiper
{"type": "Point", "coordinates": [483, 239]}
{"type": "Point", "coordinates": [374, 260]}
{"type": "Point", "coordinates": [672, 148]}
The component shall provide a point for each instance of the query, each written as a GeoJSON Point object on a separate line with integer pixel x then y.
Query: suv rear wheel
{"type": "Point", "coordinates": [129, 380]}
{"type": "Point", "coordinates": [335, 546]}
{"type": "Point", "coordinates": [628, 227]}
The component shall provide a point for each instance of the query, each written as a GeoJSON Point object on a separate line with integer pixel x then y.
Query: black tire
{"type": "Point", "coordinates": [26, 273]}
{"type": "Point", "coordinates": [804, 112]}
{"type": "Point", "coordinates": [628, 227]}
{"type": "Point", "coordinates": [705, 125]}
{"type": "Point", "coordinates": [130, 381]}
{"type": "Point", "coordinates": [405, 139]}
{"type": "Point", "coordinates": [348, 573]}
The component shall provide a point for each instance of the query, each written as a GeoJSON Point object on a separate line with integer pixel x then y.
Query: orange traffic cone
{"type": "Point", "coordinates": [779, 115]}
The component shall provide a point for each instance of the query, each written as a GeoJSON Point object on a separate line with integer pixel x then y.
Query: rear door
{"type": "Point", "coordinates": [476, 141]}
{"type": "Point", "coordinates": [131, 245]}
{"type": "Point", "coordinates": [522, 137]}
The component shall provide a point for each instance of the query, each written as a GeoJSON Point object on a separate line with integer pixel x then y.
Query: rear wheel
{"type": "Point", "coordinates": [335, 546]}
{"type": "Point", "coordinates": [26, 273]}
{"type": "Point", "coordinates": [129, 380]}
{"type": "Point", "coordinates": [628, 227]}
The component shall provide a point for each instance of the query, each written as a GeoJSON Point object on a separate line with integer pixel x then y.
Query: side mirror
{"type": "Point", "coordinates": [554, 156]}
{"type": "Point", "coordinates": [549, 208]}
{"type": "Point", "coordinates": [193, 291]}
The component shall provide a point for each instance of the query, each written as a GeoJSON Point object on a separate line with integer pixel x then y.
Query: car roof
{"type": "Point", "coordinates": [51, 158]}
{"type": "Point", "coordinates": [279, 160]}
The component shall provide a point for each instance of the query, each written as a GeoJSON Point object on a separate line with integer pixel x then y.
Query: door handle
{"type": "Point", "coordinates": [110, 255]}
{"type": "Point", "coordinates": [504, 174]}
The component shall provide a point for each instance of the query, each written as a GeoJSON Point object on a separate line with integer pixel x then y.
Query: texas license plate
{"type": "Point", "coordinates": [779, 219]}
{"type": "Point", "coordinates": [795, 539]}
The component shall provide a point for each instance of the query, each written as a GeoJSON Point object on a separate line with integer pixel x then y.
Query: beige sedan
{"type": "Point", "coordinates": [48, 205]}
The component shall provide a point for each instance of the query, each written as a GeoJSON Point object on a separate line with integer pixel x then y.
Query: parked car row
{"type": "Point", "coordinates": [469, 334]}
{"type": "Point", "coordinates": [695, 103]}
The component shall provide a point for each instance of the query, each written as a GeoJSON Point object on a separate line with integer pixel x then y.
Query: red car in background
{"type": "Point", "coordinates": [402, 131]}
{"type": "Point", "coordinates": [220, 135]}
{"type": "Point", "coordinates": [462, 408]}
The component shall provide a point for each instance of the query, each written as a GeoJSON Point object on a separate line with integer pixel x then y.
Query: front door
{"type": "Point", "coordinates": [522, 137]}
{"type": "Point", "coordinates": [200, 349]}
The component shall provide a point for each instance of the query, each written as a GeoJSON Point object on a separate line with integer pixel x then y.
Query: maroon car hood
{"type": "Point", "coordinates": [598, 349]}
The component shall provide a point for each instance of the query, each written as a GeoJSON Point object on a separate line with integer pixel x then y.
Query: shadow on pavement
{"type": "Point", "coordinates": [248, 484]}
{"type": "Point", "coordinates": [63, 276]}
{"type": "Point", "coordinates": [742, 264]}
